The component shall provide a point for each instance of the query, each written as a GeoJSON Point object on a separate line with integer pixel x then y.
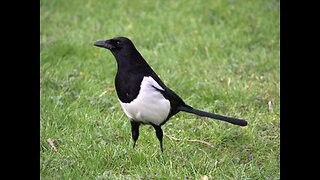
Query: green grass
{"type": "Point", "coordinates": [219, 56]}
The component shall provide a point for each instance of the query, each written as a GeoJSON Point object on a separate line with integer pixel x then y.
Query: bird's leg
{"type": "Point", "coordinates": [159, 134]}
{"type": "Point", "coordinates": [135, 131]}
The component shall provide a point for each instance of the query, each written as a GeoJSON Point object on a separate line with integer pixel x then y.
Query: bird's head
{"type": "Point", "coordinates": [115, 45]}
{"type": "Point", "coordinates": [123, 50]}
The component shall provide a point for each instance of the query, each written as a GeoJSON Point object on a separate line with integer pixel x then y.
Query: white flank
{"type": "Point", "coordinates": [150, 105]}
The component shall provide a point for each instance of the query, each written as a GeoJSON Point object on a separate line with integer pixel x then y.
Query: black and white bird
{"type": "Point", "coordinates": [143, 96]}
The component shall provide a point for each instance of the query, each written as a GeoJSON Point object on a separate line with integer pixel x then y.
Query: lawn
{"type": "Point", "coordinates": [219, 56]}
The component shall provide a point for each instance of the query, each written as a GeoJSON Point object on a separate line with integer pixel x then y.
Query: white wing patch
{"type": "Point", "coordinates": [150, 106]}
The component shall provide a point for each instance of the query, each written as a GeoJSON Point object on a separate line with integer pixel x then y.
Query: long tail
{"type": "Point", "coordinates": [235, 121]}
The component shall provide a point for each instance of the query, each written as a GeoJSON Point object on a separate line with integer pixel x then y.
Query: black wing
{"type": "Point", "coordinates": [175, 100]}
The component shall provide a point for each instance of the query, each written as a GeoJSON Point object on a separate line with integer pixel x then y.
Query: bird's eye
{"type": "Point", "coordinates": [118, 42]}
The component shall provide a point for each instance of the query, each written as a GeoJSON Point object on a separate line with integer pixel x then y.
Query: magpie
{"type": "Point", "coordinates": [143, 96]}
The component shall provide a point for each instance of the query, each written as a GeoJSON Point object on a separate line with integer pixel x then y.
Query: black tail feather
{"type": "Point", "coordinates": [235, 121]}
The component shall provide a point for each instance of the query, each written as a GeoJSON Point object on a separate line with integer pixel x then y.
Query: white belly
{"type": "Point", "coordinates": [150, 106]}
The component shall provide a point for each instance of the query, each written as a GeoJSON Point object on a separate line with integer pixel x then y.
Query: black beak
{"type": "Point", "coordinates": [105, 44]}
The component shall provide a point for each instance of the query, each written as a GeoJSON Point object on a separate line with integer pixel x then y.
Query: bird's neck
{"type": "Point", "coordinates": [131, 62]}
